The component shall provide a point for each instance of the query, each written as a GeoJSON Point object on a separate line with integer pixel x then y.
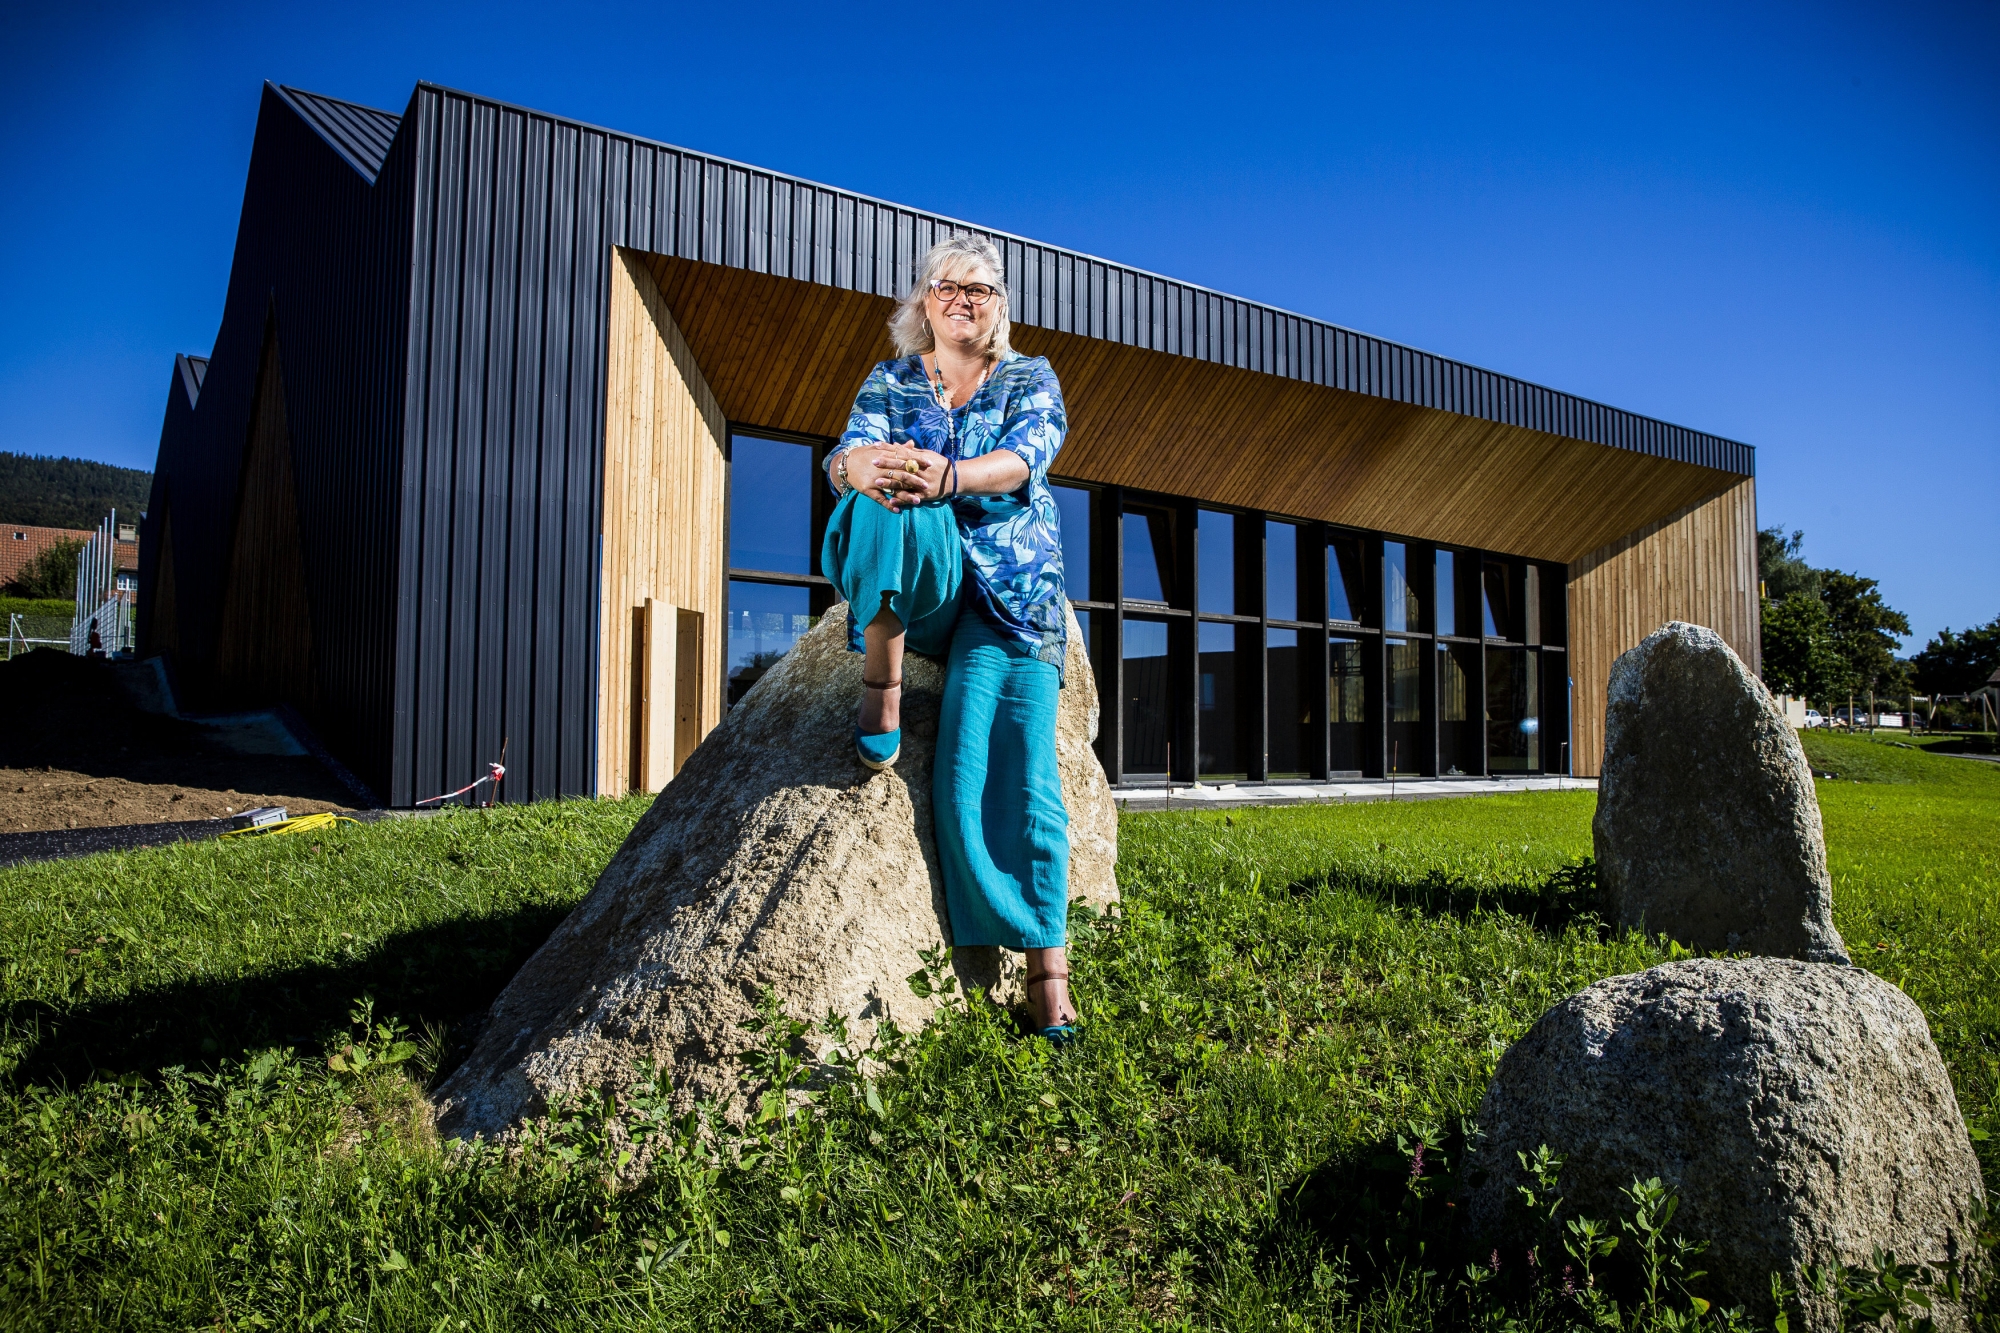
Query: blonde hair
{"type": "Point", "coordinates": [910, 326]}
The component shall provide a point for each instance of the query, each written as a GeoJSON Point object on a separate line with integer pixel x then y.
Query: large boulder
{"type": "Point", "coordinates": [773, 859]}
{"type": "Point", "coordinates": [1707, 827]}
{"type": "Point", "coordinates": [1799, 1110]}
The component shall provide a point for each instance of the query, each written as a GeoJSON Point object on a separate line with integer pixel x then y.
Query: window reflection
{"type": "Point", "coordinates": [1281, 571]}
{"type": "Point", "coordinates": [765, 620]}
{"type": "Point", "coordinates": [1513, 722]}
{"type": "Point", "coordinates": [1148, 720]}
{"type": "Point", "coordinates": [1446, 596]}
{"type": "Point", "coordinates": [1458, 730]}
{"type": "Point", "coordinates": [1406, 705]}
{"type": "Point", "coordinates": [1073, 513]}
{"type": "Point", "coordinates": [1289, 713]}
{"type": "Point", "coordinates": [770, 505]}
{"type": "Point", "coordinates": [1495, 598]}
{"type": "Point", "coordinates": [1344, 595]}
{"type": "Point", "coordinates": [1215, 537]}
{"type": "Point", "coordinates": [1347, 704]}
{"type": "Point", "coordinates": [1149, 555]}
{"type": "Point", "coordinates": [1401, 608]}
{"type": "Point", "coordinates": [1220, 748]}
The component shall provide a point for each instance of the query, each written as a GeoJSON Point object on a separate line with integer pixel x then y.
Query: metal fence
{"type": "Point", "coordinates": [26, 632]}
{"type": "Point", "coordinates": [104, 612]}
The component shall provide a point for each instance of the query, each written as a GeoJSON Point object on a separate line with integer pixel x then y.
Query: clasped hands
{"type": "Point", "coordinates": [884, 473]}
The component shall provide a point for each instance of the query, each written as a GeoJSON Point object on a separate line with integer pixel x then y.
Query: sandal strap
{"type": "Point", "coordinates": [1036, 978]}
{"type": "Point", "coordinates": [884, 685]}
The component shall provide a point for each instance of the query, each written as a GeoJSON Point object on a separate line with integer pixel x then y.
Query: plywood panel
{"type": "Point", "coordinates": [1698, 565]}
{"type": "Point", "coordinates": [788, 355]}
{"type": "Point", "coordinates": [264, 647]}
{"type": "Point", "coordinates": [663, 527]}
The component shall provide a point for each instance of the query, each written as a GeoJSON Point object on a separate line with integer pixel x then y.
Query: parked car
{"type": "Point", "coordinates": [1813, 719]}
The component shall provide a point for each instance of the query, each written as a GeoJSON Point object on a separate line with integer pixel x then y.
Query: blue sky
{"type": "Point", "coordinates": [1776, 223]}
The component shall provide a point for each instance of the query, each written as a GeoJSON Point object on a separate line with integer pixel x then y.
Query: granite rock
{"type": "Point", "coordinates": [1707, 827]}
{"type": "Point", "coordinates": [1799, 1110]}
{"type": "Point", "coordinates": [773, 859]}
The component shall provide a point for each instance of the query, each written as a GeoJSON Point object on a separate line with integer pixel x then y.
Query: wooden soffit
{"type": "Point", "coordinates": [786, 355]}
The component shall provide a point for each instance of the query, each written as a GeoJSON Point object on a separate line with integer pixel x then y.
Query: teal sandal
{"type": "Point", "coordinates": [878, 750]}
{"type": "Point", "coordinates": [1056, 1034]}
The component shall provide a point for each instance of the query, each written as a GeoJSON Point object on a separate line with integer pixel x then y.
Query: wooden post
{"type": "Point", "coordinates": [657, 655]}
{"type": "Point", "coordinates": [687, 691]}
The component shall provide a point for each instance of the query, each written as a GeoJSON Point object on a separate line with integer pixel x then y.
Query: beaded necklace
{"type": "Point", "coordinates": [942, 396]}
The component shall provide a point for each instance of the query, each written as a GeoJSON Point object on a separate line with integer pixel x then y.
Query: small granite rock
{"type": "Point", "coordinates": [1799, 1110]}
{"type": "Point", "coordinates": [773, 859]}
{"type": "Point", "coordinates": [1707, 826]}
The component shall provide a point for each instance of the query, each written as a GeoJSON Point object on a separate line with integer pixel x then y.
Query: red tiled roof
{"type": "Point", "coordinates": [20, 543]}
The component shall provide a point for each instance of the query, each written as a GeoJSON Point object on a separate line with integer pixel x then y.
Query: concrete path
{"type": "Point", "coordinates": [1232, 795]}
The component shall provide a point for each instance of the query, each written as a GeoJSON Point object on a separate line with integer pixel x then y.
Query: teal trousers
{"type": "Point", "coordinates": [996, 792]}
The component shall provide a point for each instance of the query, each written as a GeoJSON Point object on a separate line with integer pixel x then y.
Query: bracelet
{"type": "Point", "coordinates": [954, 478]}
{"type": "Point", "coordinates": [843, 485]}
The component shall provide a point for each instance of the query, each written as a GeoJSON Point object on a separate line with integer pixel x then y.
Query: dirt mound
{"type": "Point", "coordinates": [77, 751]}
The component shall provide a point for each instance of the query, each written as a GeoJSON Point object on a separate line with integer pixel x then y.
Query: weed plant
{"type": "Point", "coordinates": [1286, 1025]}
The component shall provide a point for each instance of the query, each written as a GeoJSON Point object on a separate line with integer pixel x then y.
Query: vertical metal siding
{"type": "Point", "coordinates": [318, 258]}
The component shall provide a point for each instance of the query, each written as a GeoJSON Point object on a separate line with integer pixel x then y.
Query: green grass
{"type": "Point", "coordinates": [1290, 1001]}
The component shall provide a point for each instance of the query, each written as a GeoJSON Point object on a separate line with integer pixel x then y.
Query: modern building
{"type": "Point", "coordinates": [510, 436]}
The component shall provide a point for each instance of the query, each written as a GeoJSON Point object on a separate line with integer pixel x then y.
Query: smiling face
{"type": "Point", "coordinates": [959, 323]}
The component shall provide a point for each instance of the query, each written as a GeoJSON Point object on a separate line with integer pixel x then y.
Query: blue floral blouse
{"type": "Point", "coordinates": [1013, 542]}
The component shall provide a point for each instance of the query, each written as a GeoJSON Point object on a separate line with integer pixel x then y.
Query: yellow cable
{"type": "Point", "coordinates": [326, 819]}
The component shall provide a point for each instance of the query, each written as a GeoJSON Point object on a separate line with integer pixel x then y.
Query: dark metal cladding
{"type": "Point", "coordinates": [321, 265]}
{"type": "Point", "coordinates": [361, 134]}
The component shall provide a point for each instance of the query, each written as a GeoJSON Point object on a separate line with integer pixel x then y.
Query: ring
{"type": "Point", "coordinates": [910, 465]}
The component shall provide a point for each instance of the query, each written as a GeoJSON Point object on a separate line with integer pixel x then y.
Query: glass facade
{"type": "Point", "coordinates": [770, 521]}
{"type": "Point", "coordinates": [1407, 713]}
{"type": "Point", "coordinates": [1219, 705]}
{"type": "Point", "coordinates": [765, 620]}
{"type": "Point", "coordinates": [1215, 544]}
{"type": "Point", "coordinates": [1458, 737]}
{"type": "Point", "coordinates": [1147, 713]}
{"type": "Point", "coordinates": [1513, 720]}
{"type": "Point", "coordinates": [1347, 706]}
{"type": "Point", "coordinates": [1292, 720]}
{"type": "Point", "coordinates": [1229, 645]}
{"type": "Point", "coordinates": [1346, 586]}
{"type": "Point", "coordinates": [1073, 513]}
{"type": "Point", "coordinates": [1281, 571]}
{"type": "Point", "coordinates": [1149, 555]}
{"type": "Point", "coordinates": [1445, 599]}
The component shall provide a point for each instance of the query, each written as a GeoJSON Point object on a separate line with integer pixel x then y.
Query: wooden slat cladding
{"type": "Point", "coordinates": [1698, 565]}
{"type": "Point", "coordinates": [662, 535]}
{"type": "Point", "coordinates": [787, 355]}
{"type": "Point", "coordinates": [779, 354]}
{"type": "Point", "coordinates": [264, 649]}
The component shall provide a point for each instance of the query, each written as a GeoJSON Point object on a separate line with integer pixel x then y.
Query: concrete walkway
{"type": "Point", "coordinates": [1232, 795]}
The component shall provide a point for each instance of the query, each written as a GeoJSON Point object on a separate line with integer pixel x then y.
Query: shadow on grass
{"type": "Point", "coordinates": [441, 974]}
{"type": "Point", "coordinates": [1551, 904]}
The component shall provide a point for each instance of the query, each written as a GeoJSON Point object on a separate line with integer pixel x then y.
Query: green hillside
{"type": "Point", "coordinates": [67, 492]}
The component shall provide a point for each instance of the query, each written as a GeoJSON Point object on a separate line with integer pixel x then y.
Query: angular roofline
{"type": "Point", "coordinates": [1515, 390]}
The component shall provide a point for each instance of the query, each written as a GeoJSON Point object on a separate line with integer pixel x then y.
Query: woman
{"type": "Point", "coordinates": [946, 539]}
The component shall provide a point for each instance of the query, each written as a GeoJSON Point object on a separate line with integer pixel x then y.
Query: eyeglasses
{"type": "Point", "coordinates": [947, 291]}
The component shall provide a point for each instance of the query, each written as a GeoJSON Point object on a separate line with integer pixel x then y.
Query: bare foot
{"type": "Point", "coordinates": [882, 709]}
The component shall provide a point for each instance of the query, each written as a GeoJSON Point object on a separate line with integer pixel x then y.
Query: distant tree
{"type": "Point", "coordinates": [1781, 566]}
{"type": "Point", "coordinates": [52, 572]}
{"type": "Point", "coordinates": [1800, 655]}
{"type": "Point", "coordinates": [1865, 629]}
{"type": "Point", "coordinates": [1958, 663]}
{"type": "Point", "coordinates": [68, 492]}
